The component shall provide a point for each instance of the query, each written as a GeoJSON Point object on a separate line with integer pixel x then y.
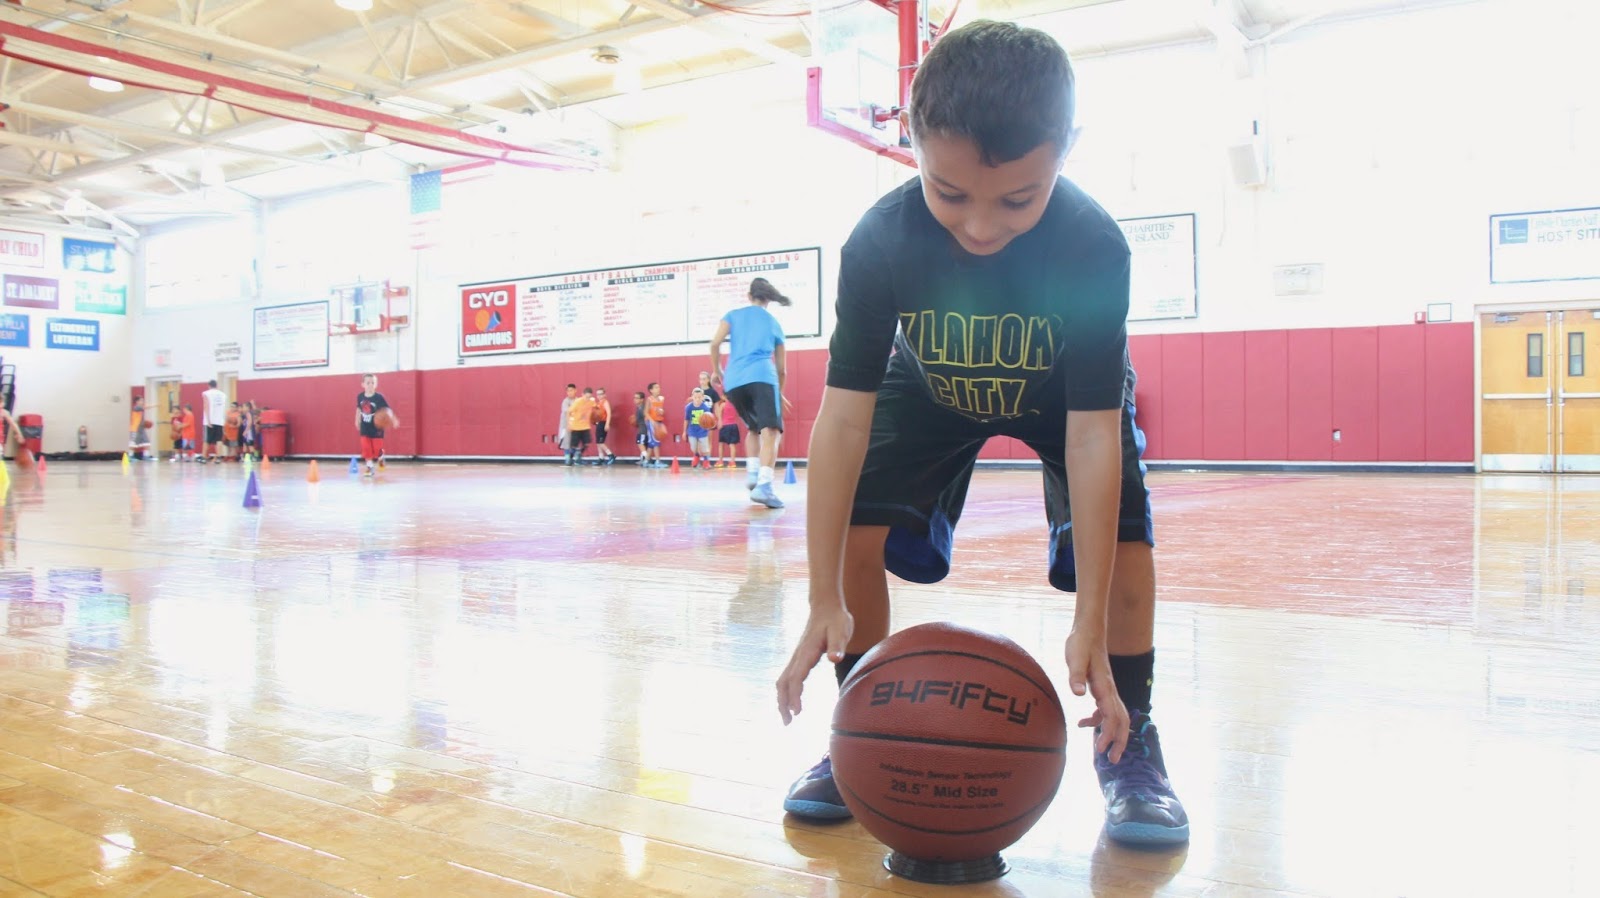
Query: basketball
{"type": "Point", "coordinates": [383, 419]}
{"type": "Point", "coordinates": [707, 420]}
{"type": "Point", "coordinates": [948, 743]}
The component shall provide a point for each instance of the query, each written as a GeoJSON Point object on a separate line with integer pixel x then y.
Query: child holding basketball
{"type": "Point", "coordinates": [695, 429]}
{"type": "Point", "coordinates": [1002, 290]}
{"type": "Point", "coordinates": [369, 402]}
{"type": "Point", "coordinates": [754, 381]}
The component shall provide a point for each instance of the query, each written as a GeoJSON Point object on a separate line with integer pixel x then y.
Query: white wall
{"type": "Point", "coordinates": [1390, 141]}
{"type": "Point", "coordinates": [72, 388]}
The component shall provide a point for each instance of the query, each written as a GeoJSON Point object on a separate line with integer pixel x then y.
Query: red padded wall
{"type": "Point", "coordinates": [1266, 395]}
{"type": "Point", "coordinates": [1397, 393]}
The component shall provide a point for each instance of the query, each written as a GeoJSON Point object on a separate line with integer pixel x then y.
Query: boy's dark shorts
{"type": "Point", "coordinates": [729, 433]}
{"type": "Point", "coordinates": [213, 434]}
{"type": "Point", "coordinates": [918, 466]}
{"type": "Point", "coordinates": [577, 439]}
{"type": "Point", "coordinates": [600, 433]}
{"type": "Point", "coordinates": [758, 405]}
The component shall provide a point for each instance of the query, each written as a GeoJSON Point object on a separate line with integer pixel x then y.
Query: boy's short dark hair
{"type": "Point", "coordinates": [211, 383]}
{"type": "Point", "coordinates": [1005, 87]}
{"type": "Point", "coordinates": [587, 391]}
{"type": "Point", "coordinates": [572, 386]}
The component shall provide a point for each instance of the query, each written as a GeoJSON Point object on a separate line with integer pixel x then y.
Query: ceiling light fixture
{"type": "Point", "coordinates": [607, 55]}
{"type": "Point", "coordinates": [354, 5]}
{"type": "Point", "coordinates": [105, 84]}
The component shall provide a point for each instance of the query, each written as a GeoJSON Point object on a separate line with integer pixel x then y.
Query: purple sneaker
{"type": "Point", "coordinates": [815, 797]}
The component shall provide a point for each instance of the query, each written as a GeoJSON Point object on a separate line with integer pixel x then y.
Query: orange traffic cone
{"type": "Point", "coordinates": [674, 464]}
{"type": "Point", "coordinates": [311, 475]}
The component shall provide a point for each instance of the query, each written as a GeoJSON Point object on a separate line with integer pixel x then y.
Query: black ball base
{"type": "Point", "coordinates": [947, 873]}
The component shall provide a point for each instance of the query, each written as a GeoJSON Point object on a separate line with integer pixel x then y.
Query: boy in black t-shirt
{"type": "Point", "coordinates": [368, 403]}
{"type": "Point", "coordinates": [1003, 290]}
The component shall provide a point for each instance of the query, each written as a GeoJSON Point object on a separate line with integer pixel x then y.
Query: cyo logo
{"type": "Point", "coordinates": [488, 299]}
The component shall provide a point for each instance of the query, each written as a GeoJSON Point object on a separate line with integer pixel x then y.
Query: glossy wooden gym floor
{"type": "Point", "coordinates": [519, 680]}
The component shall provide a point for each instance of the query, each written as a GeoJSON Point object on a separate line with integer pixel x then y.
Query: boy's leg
{"type": "Point", "coordinates": [908, 501]}
{"type": "Point", "coordinates": [1142, 807]}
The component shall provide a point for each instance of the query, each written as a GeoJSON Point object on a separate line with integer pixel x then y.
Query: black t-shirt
{"type": "Point", "coordinates": [1036, 329]}
{"type": "Point", "coordinates": [368, 406]}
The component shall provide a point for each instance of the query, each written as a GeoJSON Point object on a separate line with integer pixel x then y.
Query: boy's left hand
{"type": "Point", "coordinates": [1089, 664]}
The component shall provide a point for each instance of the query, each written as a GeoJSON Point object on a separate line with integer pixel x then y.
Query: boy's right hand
{"type": "Point", "coordinates": [828, 629]}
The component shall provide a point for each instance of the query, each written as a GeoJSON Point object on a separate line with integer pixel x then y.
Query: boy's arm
{"type": "Point", "coordinates": [858, 354]}
{"type": "Point", "coordinates": [1096, 372]}
{"type": "Point", "coordinates": [1094, 476]}
{"type": "Point", "coordinates": [838, 448]}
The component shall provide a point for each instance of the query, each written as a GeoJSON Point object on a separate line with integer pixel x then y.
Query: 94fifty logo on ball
{"type": "Point", "coordinates": [959, 695]}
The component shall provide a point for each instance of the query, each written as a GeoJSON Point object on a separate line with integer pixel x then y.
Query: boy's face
{"type": "Point", "coordinates": [599, 394]}
{"type": "Point", "coordinates": [572, 391]}
{"type": "Point", "coordinates": [985, 207]}
{"type": "Point", "coordinates": [369, 384]}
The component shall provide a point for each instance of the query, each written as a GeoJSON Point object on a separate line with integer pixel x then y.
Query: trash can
{"type": "Point", "coordinates": [274, 432]}
{"type": "Point", "coordinates": [31, 434]}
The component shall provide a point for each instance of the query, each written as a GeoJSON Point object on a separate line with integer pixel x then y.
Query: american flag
{"type": "Point", "coordinates": [427, 199]}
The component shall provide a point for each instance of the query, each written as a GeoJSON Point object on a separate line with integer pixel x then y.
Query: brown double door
{"type": "Point", "coordinates": [1540, 405]}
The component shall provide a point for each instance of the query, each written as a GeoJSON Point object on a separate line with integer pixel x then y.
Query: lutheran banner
{"type": "Point", "coordinates": [72, 333]}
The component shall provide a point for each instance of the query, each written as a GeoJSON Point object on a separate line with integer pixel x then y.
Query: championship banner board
{"type": "Point", "coordinates": [647, 305]}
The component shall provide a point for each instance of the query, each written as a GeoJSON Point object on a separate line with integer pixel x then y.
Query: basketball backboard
{"type": "Point", "coordinates": [854, 89]}
{"type": "Point", "coordinates": [358, 308]}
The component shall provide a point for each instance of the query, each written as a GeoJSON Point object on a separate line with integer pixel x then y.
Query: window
{"type": "Point", "coordinates": [1536, 355]}
{"type": "Point", "coordinates": [320, 241]}
{"type": "Point", "coordinates": [1575, 354]}
{"type": "Point", "coordinates": [213, 261]}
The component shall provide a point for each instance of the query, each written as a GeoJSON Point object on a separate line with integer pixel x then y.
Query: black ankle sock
{"type": "Point", "coordinates": [841, 669]}
{"type": "Point", "coordinates": [1134, 675]}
